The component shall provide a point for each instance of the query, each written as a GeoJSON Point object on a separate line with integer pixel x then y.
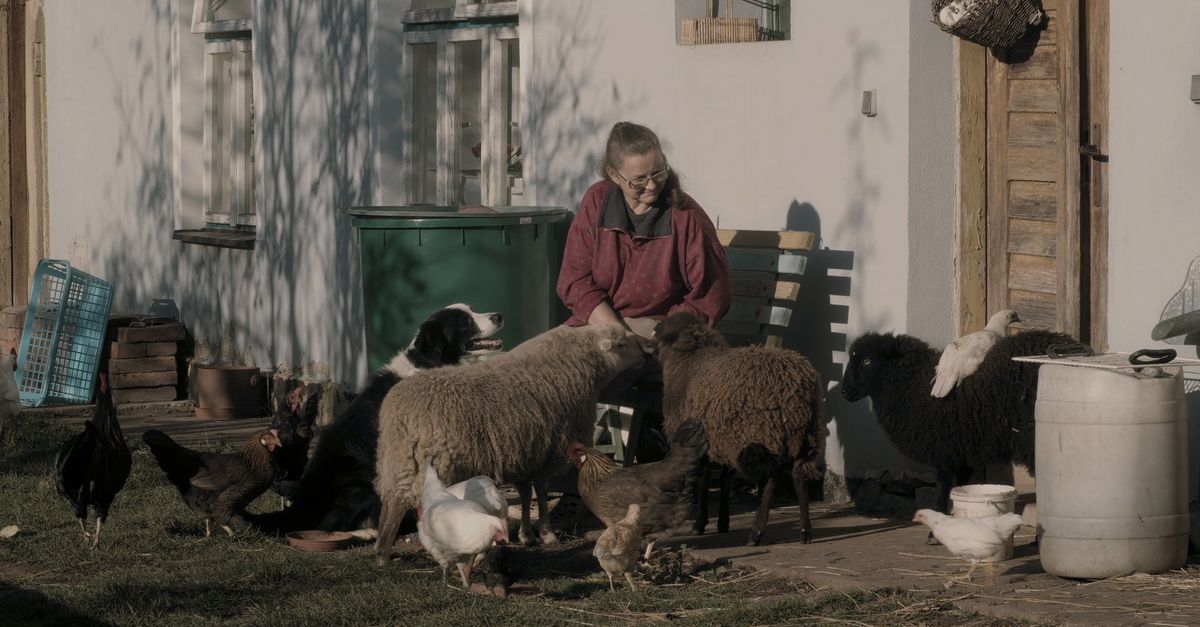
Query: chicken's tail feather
{"type": "Point", "coordinates": [942, 386]}
{"type": "Point", "coordinates": [178, 462]}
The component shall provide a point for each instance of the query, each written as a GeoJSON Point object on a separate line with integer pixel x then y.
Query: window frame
{"type": "Point", "coordinates": [203, 22]}
{"type": "Point", "coordinates": [446, 27]}
{"type": "Point", "coordinates": [238, 210]}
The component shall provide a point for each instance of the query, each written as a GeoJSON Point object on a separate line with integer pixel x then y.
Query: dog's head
{"type": "Point", "coordinates": [454, 334]}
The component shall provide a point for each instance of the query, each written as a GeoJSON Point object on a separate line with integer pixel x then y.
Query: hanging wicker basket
{"type": "Point", "coordinates": [991, 23]}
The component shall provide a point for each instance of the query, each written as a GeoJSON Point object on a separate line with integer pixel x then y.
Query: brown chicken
{"type": "Point", "coordinates": [662, 489]}
{"type": "Point", "coordinates": [618, 547]}
{"type": "Point", "coordinates": [218, 485]}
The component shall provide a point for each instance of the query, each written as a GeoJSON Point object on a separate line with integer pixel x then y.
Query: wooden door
{"type": "Point", "coordinates": [12, 137]}
{"type": "Point", "coordinates": [1032, 220]}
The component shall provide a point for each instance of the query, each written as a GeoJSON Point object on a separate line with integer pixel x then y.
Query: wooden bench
{"type": "Point", "coordinates": [767, 267]}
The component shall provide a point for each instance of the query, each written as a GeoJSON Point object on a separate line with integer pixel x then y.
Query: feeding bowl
{"type": "Point", "coordinates": [319, 541]}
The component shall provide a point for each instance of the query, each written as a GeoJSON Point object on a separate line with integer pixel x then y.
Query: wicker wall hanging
{"type": "Point", "coordinates": [991, 23]}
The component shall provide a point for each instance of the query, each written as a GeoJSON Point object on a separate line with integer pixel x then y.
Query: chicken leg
{"type": "Point", "coordinates": [610, 582]}
{"type": "Point", "coordinates": [83, 528]}
{"type": "Point", "coordinates": [464, 571]}
{"type": "Point", "coordinates": [96, 536]}
{"type": "Point", "coordinates": [629, 578]}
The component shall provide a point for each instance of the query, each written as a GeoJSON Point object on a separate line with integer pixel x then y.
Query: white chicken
{"type": "Point", "coordinates": [10, 394]}
{"type": "Point", "coordinates": [453, 530]}
{"type": "Point", "coordinates": [978, 539]}
{"type": "Point", "coordinates": [618, 548]}
{"type": "Point", "coordinates": [482, 490]}
{"type": "Point", "coordinates": [962, 356]}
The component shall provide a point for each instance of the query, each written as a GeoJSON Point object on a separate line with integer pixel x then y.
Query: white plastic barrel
{"type": "Point", "coordinates": [1111, 471]}
{"type": "Point", "coordinates": [985, 499]}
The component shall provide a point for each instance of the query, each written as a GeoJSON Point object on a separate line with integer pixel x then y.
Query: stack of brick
{"type": "Point", "coordinates": [12, 324]}
{"type": "Point", "coordinates": [143, 363]}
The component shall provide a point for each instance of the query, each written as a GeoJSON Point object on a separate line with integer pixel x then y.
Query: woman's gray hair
{"type": "Point", "coordinates": [627, 139]}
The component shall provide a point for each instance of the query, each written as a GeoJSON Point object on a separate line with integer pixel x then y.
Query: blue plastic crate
{"type": "Point", "coordinates": [65, 326]}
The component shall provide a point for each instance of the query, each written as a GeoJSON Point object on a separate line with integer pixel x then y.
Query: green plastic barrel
{"type": "Point", "coordinates": [416, 260]}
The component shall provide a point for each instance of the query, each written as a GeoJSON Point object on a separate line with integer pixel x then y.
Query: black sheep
{"type": "Point", "coordinates": [987, 418]}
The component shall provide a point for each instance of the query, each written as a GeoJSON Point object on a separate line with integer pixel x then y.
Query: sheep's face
{"type": "Point", "coordinates": [862, 368]}
{"type": "Point", "coordinates": [623, 353]}
{"type": "Point", "coordinates": [684, 332]}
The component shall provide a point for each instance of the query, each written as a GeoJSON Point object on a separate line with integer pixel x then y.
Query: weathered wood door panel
{"type": "Point", "coordinates": [1033, 164]}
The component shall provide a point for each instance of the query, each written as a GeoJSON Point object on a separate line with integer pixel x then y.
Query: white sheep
{"type": "Point", "coordinates": [509, 418]}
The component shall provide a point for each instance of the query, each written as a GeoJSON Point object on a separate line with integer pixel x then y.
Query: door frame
{"type": "Point", "coordinates": [1091, 178]}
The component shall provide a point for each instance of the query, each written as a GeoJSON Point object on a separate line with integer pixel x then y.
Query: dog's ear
{"type": "Point", "coordinates": [432, 345]}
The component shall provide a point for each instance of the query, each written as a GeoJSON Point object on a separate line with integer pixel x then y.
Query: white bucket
{"type": "Point", "coordinates": [985, 499]}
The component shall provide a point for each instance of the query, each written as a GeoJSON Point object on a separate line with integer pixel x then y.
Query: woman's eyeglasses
{"type": "Point", "coordinates": [638, 184]}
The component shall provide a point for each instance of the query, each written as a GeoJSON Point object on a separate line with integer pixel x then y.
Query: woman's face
{"type": "Point", "coordinates": [641, 177]}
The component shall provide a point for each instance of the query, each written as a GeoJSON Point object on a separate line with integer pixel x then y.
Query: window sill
{"type": "Point", "coordinates": [219, 238]}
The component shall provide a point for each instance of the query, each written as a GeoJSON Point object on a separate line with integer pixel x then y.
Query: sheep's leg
{"type": "Point", "coordinates": [702, 499]}
{"type": "Point", "coordinates": [544, 530]}
{"type": "Point", "coordinates": [799, 479]}
{"type": "Point", "coordinates": [764, 509]}
{"type": "Point", "coordinates": [525, 534]}
{"type": "Point", "coordinates": [723, 507]}
{"type": "Point", "coordinates": [945, 481]}
{"type": "Point", "coordinates": [391, 513]}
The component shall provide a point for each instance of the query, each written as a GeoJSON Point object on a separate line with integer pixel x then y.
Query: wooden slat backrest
{"type": "Point", "coordinates": [766, 266]}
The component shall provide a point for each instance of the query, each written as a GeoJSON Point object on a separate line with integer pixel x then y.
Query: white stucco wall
{"type": "Point", "coordinates": [770, 136]}
{"type": "Point", "coordinates": [1154, 146]}
{"type": "Point", "coordinates": [1154, 193]}
{"type": "Point", "coordinates": [115, 199]}
{"type": "Point", "coordinates": [767, 136]}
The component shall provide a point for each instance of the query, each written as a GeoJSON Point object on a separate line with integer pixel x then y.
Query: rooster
{"type": "Point", "coordinates": [218, 485]}
{"type": "Point", "coordinates": [662, 489]}
{"type": "Point", "coordinates": [454, 530]}
{"type": "Point", "coordinates": [92, 466]}
{"type": "Point", "coordinates": [618, 547]}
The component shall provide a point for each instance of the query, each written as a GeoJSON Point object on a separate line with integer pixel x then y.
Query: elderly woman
{"type": "Point", "coordinates": [639, 247]}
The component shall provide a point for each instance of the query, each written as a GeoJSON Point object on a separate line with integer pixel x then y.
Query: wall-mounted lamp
{"type": "Point", "coordinates": [870, 106]}
{"type": "Point", "coordinates": [1196, 88]}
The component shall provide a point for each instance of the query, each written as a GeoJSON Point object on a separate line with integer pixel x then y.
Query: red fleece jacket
{"type": "Point", "coordinates": [677, 265]}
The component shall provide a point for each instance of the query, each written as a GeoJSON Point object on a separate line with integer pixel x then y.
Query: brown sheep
{"type": "Point", "coordinates": [763, 409]}
{"type": "Point", "coordinates": [508, 418]}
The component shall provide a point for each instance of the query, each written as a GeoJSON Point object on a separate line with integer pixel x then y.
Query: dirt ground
{"type": "Point", "coordinates": [852, 551]}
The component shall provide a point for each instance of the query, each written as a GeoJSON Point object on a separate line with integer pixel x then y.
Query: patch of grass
{"type": "Point", "coordinates": [154, 567]}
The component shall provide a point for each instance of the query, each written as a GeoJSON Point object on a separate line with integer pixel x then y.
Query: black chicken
{"type": "Point", "coordinates": [218, 485]}
{"type": "Point", "coordinates": [92, 466]}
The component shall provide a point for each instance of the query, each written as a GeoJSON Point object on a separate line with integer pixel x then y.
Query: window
{"type": "Point", "coordinates": [731, 21]}
{"type": "Point", "coordinates": [228, 112]}
{"type": "Point", "coordinates": [461, 71]}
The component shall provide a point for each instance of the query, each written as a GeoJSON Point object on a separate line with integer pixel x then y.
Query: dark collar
{"type": "Point", "coordinates": [656, 224]}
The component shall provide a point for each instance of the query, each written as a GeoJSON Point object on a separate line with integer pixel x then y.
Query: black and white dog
{"type": "Point", "coordinates": [337, 492]}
